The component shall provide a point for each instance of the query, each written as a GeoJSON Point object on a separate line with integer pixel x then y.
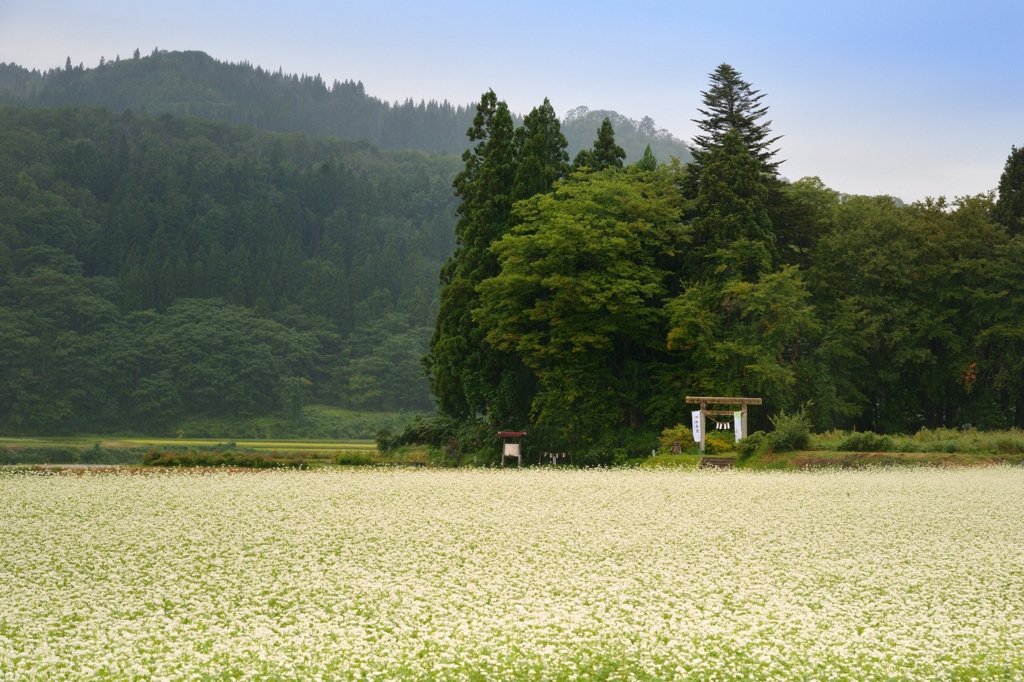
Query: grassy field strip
{"type": "Point", "coordinates": [291, 446]}
{"type": "Point", "coordinates": [256, 444]}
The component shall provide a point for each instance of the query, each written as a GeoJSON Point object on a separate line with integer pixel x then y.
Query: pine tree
{"type": "Point", "coordinates": [1009, 208]}
{"type": "Point", "coordinates": [605, 153]}
{"type": "Point", "coordinates": [731, 103]}
{"type": "Point", "coordinates": [463, 369]}
{"type": "Point", "coordinates": [647, 162]}
{"type": "Point", "coordinates": [540, 151]}
{"type": "Point", "coordinates": [732, 235]}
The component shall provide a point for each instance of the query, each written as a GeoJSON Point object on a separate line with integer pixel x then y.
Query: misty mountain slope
{"type": "Point", "coordinates": [580, 130]}
{"type": "Point", "coordinates": [195, 84]}
{"type": "Point", "coordinates": [147, 259]}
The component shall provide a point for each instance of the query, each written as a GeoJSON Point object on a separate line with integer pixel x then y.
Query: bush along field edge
{"type": "Point", "coordinates": [443, 442]}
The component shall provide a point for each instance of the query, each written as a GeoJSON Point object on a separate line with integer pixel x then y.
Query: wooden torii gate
{"type": "Point", "coordinates": [718, 400]}
{"type": "Point", "coordinates": [511, 446]}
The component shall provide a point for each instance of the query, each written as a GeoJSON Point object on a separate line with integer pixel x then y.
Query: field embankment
{"type": "Point", "coordinates": [801, 459]}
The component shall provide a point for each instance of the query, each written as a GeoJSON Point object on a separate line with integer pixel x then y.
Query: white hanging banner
{"type": "Point", "coordinates": [696, 426]}
{"type": "Point", "coordinates": [737, 425]}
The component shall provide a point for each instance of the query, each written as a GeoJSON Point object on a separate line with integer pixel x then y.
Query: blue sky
{"type": "Point", "coordinates": [912, 99]}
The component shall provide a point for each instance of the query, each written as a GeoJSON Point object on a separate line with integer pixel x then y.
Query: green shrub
{"type": "Point", "coordinates": [456, 441]}
{"type": "Point", "coordinates": [717, 445]}
{"type": "Point", "coordinates": [679, 433]}
{"type": "Point", "coordinates": [1008, 446]}
{"type": "Point", "coordinates": [384, 440]}
{"type": "Point", "coordinates": [792, 431]}
{"type": "Point", "coordinates": [866, 441]}
{"type": "Point", "coordinates": [751, 445]}
{"type": "Point", "coordinates": [316, 422]}
{"type": "Point", "coordinates": [246, 460]}
{"type": "Point", "coordinates": [66, 454]}
{"type": "Point", "coordinates": [354, 458]}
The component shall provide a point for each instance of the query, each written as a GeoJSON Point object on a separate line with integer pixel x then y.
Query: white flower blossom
{"type": "Point", "coordinates": [911, 574]}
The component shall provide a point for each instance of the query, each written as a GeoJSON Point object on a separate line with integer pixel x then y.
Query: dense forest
{"type": "Point", "coordinates": [584, 307]}
{"type": "Point", "coordinates": [154, 268]}
{"type": "Point", "coordinates": [195, 84]}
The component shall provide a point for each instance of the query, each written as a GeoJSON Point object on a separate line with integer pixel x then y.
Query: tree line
{"type": "Point", "coordinates": [585, 300]}
{"type": "Point", "coordinates": [192, 83]}
{"type": "Point", "coordinates": [154, 268]}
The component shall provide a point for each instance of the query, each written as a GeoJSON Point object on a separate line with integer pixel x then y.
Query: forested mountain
{"type": "Point", "coordinates": [154, 267]}
{"type": "Point", "coordinates": [195, 84]}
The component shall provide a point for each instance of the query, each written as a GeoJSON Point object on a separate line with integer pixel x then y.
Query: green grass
{"type": "Point", "coordinates": [934, 447]}
{"type": "Point", "coordinates": [802, 459]}
{"type": "Point", "coordinates": [317, 422]}
{"type": "Point", "coordinates": [949, 441]}
{"type": "Point", "coordinates": [688, 461]}
{"type": "Point", "coordinates": [115, 442]}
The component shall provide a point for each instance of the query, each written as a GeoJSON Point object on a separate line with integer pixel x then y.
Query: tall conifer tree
{"type": "Point", "coordinates": [647, 162]}
{"type": "Point", "coordinates": [1010, 207]}
{"type": "Point", "coordinates": [730, 104]}
{"type": "Point", "coordinates": [605, 153]}
{"type": "Point", "coordinates": [733, 234]}
{"type": "Point", "coordinates": [540, 150]}
{"type": "Point", "coordinates": [463, 369]}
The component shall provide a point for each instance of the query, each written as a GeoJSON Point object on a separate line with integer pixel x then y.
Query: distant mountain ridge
{"type": "Point", "coordinates": [192, 83]}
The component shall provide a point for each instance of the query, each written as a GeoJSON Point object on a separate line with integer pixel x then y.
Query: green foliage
{"type": "Point", "coordinates": [217, 359]}
{"type": "Point", "coordinates": [154, 269]}
{"type": "Point", "coordinates": [647, 162]}
{"type": "Point", "coordinates": [901, 354]}
{"type": "Point", "coordinates": [158, 271]}
{"type": "Point", "coordinates": [192, 83]}
{"type": "Point", "coordinates": [714, 444]}
{"type": "Point", "coordinates": [579, 125]}
{"type": "Point", "coordinates": [743, 338]}
{"type": "Point", "coordinates": [753, 444]}
{"type": "Point", "coordinates": [866, 441]}
{"type": "Point", "coordinates": [64, 454]}
{"type": "Point", "coordinates": [316, 422]}
{"type": "Point", "coordinates": [992, 443]}
{"type": "Point", "coordinates": [671, 461]}
{"type": "Point", "coordinates": [604, 154]}
{"type": "Point", "coordinates": [732, 105]}
{"type": "Point", "coordinates": [540, 153]}
{"type": "Point", "coordinates": [676, 440]}
{"type": "Point", "coordinates": [244, 460]}
{"type": "Point", "coordinates": [792, 431]}
{"type": "Point", "coordinates": [732, 233]}
{"type": "Point", "coordinates": [354, 458]}
{"type": "Point", "coordinates": [455, 441]}
{"type": "Point", "coordinates": [615, 447]}
{"type": "Point", "coordinates": [384, 440]}
{"type": "Point", "coordinates": [1009, 209]}
{"type": "Point", "coordinates": [579, 296]}
{"type": "Point", "coordinates": [464, 371]}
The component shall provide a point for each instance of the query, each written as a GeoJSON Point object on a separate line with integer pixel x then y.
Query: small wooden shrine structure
{"type": "Point", "coordinates": [719, 401]}
{"type": "Point", "coordinates": [511, 446]}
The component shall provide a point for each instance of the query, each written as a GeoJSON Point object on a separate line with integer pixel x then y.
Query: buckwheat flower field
{"type": "Point", "coordinates": [513, 575]}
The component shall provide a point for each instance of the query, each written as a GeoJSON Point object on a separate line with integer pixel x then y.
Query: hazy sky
{"type": "Point", "coordinates": [912, 99]}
